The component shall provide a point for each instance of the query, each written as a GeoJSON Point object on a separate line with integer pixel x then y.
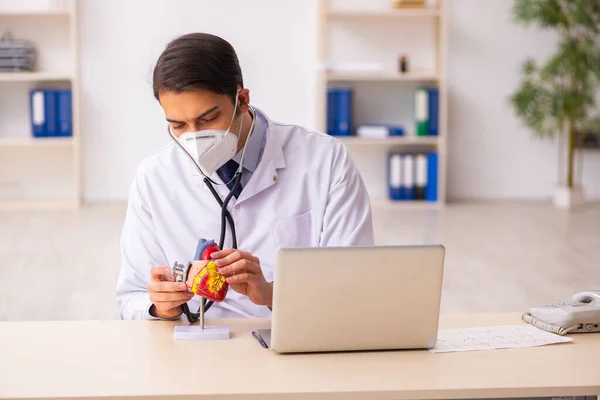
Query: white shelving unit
{"type": "Point", "coordinates": [35, 142]}
{"type": "Point", "coordinates": [39, 172]}
{"type": "Point", "coordinates": [390, 77]}
{"type": "Point", "coordinates": [41, 12]}
{"type": "Point", "coordinates": [384, 13]}
{"type": "Point", "coordinates": [391, 141]}
{"type": "Point", "coordinates": [35, 76]}
{"type": "Point", "coordinates": [372, 31]}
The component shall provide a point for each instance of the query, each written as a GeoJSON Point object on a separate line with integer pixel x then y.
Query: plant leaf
{"type": "Point", "coordinates": [546, 13]}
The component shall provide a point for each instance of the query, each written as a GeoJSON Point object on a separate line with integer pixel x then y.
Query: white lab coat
{"type": "Point", "coordinates": [306, 191]}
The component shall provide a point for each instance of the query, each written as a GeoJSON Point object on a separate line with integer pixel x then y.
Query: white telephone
{"type": "Point", "coordinates": [581, 314]}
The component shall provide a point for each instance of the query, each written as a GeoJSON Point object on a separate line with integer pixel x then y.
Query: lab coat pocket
{"type": "Point", "coordinates": [296, 231]}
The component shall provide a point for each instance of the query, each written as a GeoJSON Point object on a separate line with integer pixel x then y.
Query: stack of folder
{"type": "Point", "coordinates": [413, 176]}
{"type": "Point", "coordinates": [16, 54]}
{"type": "Point", "coordinates": [51, 113]}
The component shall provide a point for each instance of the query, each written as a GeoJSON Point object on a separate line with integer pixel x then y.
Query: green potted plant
{"type": "Point", "coordinates": [557, 98]}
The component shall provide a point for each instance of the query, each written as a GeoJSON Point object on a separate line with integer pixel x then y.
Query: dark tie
{"type": "Point", "coordinates": [227, 172]}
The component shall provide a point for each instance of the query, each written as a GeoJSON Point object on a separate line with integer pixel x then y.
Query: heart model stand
{"type": "Point", "coordinates": [209, 284]}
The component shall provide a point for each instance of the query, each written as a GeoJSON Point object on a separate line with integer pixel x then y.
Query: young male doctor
{"type": "Point", "coordinates": [298, 188]}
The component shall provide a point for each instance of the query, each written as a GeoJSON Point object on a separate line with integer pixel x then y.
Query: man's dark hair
{"type": "Point", "coordinates": [198, 61]}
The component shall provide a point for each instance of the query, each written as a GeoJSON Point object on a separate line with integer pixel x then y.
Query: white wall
{"type": "Point", "coordinates": [490, 155]}
{"type": "Point", "coordinates": [121, 121]}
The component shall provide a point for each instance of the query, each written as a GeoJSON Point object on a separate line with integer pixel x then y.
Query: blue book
{"type": "Point", "coordinates": [37, 112]}
{"type": "Point", "coordinates": [65, 113]}
{"type": "Point", "coordinates": [434, 106]}
{"type": "Point", "coordinates": [395, 176]}
{"type": "Point", "coordinates": [51, 111]}
{"type": "Point", "coordinates": [342, 109]}
{"type": "Point", "coordinates": [431, 193]}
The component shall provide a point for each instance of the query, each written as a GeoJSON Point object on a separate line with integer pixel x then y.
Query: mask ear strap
{"type": "Point", "coordinates": [250, 132]}
{"type": "Point", "coordinates": [235, 106]}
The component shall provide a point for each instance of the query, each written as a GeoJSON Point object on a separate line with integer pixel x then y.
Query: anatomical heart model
{"type": "Point", "coordinates": [209, 283]}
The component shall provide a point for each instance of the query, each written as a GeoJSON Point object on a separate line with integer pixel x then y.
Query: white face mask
{"type": "Point", "coordinates": [211, 148]}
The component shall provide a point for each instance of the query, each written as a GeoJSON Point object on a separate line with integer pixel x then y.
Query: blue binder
{"type": "Point", "coordinates": [331, 128]}
{"type": "Point", "coordinates": [37, 112]}
{"type": "Point", "coordinates": [65, 113]}
{"type": "Point", "coordinates": [408, 176]}
{"type": "Point", "coordinates": [395, 176]}
{"type": "Point", "coordinates": [434, 106]}
{"type": "Point", "coordinates": [339, 110]}
{"type": "Point", "coordinates": [431, 193]}
{"type": "Point", "coordinates": [51, 110]}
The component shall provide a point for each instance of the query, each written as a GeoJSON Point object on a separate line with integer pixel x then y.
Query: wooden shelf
{"type": "Point", "coordinates": [36, 13]}
{"type": "Point", "coordinates": [390, 141]}
{"type": "Point", "coordinates": [34, 77]}
{"type": "Point", "coordinates": [376, 76]}
{"type": "Point", "coordinates": [26, 204]}
{"type": "Point", "coordinates": [433, 12]}
{"type": "Point", "coordinates": [36, 142]}
{"type": "Point", "coordinates": [384, 203]}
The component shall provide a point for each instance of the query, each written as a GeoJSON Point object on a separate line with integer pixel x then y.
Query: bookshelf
{"type": "Point", "coordinates": [40, 172]}
{"type": "Point", "coordinates": [371, 31]}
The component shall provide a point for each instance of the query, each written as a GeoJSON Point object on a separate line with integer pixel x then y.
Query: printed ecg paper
{"type": "Point", "coordinates": [494, 337]}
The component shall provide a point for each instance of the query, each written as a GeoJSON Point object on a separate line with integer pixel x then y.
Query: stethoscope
{"type": "Point", "coordinates": [226, 217]}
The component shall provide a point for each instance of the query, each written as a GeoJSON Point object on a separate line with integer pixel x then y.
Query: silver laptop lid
{"type": "Point", "coordinates": [357, 298]}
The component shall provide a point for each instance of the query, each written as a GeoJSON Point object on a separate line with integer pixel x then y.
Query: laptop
{"type": "Point", "coordinates": [331, 299]}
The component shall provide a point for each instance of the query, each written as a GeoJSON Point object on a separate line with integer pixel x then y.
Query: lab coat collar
{"type": "Point", "coordinates": [273, 145]}
{"type": "Point", "coordinates": [255, 144]}
{"type": "Point", "coordinates": [273, 159]}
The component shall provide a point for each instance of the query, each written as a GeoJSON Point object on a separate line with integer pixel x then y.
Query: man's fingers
{"type": "Point", "coordinates": [161, 297]}
{"type": "Point", "coordinates": [158, 286]}
{"type": "Point", "coordinates": [222, 253]}
{"type": "Point", "coordinates": [239, 267]}
{"type": "Point", "coordinates": [234, 256]}
{"type": "Point", "coordinates": [160, 273]}
{"type": "Point", "coordinates": [242, 278]}
{"type": "Point", "coordinates": [228, 256]}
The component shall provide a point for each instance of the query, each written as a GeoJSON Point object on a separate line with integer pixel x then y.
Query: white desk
{"type": "Point", "coordinates": [140, 359]}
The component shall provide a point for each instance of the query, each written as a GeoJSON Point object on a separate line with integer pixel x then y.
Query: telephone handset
{"type": "Point", "coordinates": [580, 315]}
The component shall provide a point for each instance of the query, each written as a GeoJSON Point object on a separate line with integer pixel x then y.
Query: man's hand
{"type": "Point", "coordinates": [165, 294]}
{"type": "Point", "coordinates": [244, 275]}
